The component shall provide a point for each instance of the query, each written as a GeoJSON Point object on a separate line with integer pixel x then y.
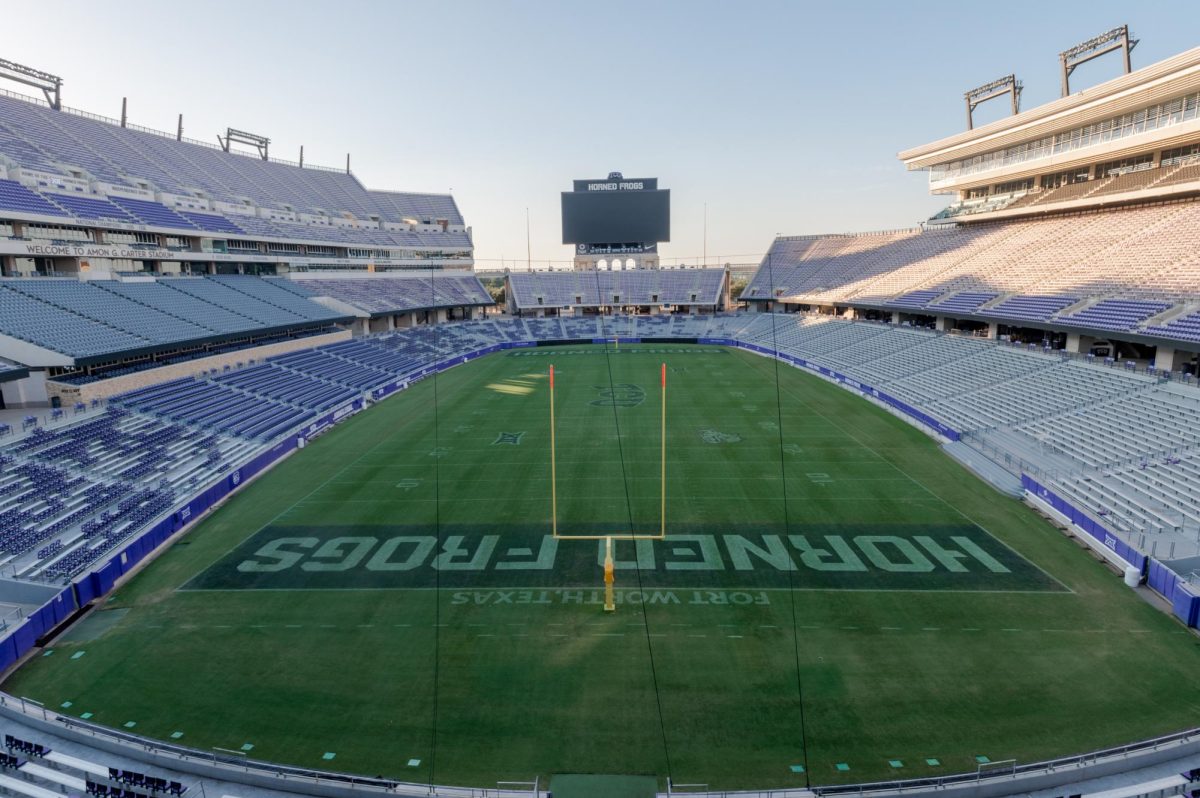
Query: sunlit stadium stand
{"type": "Point", "coordinates": [379, 295]}
{"type": "Point", "coordinates": [86, 331]}
{"type": "Point", "coordinates": [142, 198]}
{"type": "Point", "coordinates": [533, 292]}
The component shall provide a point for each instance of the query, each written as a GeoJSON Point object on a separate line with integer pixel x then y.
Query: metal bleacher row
{"type": "Point", "coordinates": [286, 201]}
{"type": "Point", "coordinates": [110, 317]}
{"type": "Point", "coordinates": [1131, 269]}
{"type": "Point", "coordinates": [1124, 444]}
{"type": "Point", "coordinates": [398, 294]}
{"type": "Point", "coordinates": [638, 287]}
{"type": "Point", "coordinates": [33, 770]}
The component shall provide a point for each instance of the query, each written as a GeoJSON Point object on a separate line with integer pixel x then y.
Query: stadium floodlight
{"type": "Point", "coordinates": [990, 91]}
{"type": "Point", "coordinates": [1115, 39]}
{"type": "Point", "coordinates": [609, 537]}
{"type": "Point", "coordinates": [51, 85]}
{"type": "Point", "coordinates": [234, 136]}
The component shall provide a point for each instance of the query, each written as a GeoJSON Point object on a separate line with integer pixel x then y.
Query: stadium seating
{"type": "Point", "coordinates": [68, 144]}
{"type": "Point", "coordinates": [1115, 314]}
{"type": "Point", "coordinates": [532, 290]}
{"type": "Point", "coordinates": [1183, 328]}
{"type": "Point", "coordinates": [1128, 265]}
{"type": "Point", "coordinates": [109, 317]}
{"type": "Point", "coordinates": [15, 197]}
{"type": "Point", "coordinates": [29, 319]}
{"type": "Point", "coordinates": [400, 294]}
{"type": "Point", "coordinates": [113, 310]}
{"type": "Point", "coordinates": [1034, 308]}
{"type": "Point", "coordinates": [212, 405]}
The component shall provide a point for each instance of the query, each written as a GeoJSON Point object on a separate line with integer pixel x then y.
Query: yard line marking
{"type": "Point", "coordinates": [1010, 630]}
{"type": "Point", "coordinates": [891, 628]}
{"type": "Point", "coordinates": [734, 637]}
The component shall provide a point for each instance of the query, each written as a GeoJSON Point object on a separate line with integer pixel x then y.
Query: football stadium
{"type": "Point", "coordinates": [292, 502]}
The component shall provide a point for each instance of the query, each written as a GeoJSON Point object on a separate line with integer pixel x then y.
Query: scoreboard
{"type": "Point", "coordinates": [616, 214]}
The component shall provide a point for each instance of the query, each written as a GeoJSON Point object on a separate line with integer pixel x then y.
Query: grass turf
{"type": "Point", "coordinates": [507, 674]}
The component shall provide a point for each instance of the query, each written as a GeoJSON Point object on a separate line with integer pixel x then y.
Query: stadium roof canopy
{"type": "Point", "coordinates": [1167, 80]}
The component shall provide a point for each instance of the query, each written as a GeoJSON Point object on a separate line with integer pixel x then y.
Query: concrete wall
{"type": "Point", "coordinates": [27, 392]}
{"type": "Point", "coordinates": [70, 394]}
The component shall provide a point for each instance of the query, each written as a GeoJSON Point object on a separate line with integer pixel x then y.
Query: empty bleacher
{"type": "Point", "coordinates": [384, 295]}
{"type": "Point", "coordinates": [89, 319]}
{"type": "Point", "coordinates": [533, 290]}
{"type": "Point", "coordinates": [73, 145]}
{"type": "Point", "coordinates": [1127, 264]}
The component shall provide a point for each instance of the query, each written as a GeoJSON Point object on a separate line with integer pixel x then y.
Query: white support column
{"type": "Point", "coordinates": [940, 323]}
{"type": "Point", "coordinates": [1165, 358]}
{"type": "Point", "coordinates": [993, 330]}
{"type": "Point", "coordinates": [895, 317]}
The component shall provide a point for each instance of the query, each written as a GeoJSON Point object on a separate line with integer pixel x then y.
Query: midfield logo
{"type": "Point", "coordinates": [623, 395]}
{"type": "Point", "coordinates": [716, 436]}
{"type": "Point", "coordinates": [510, 438]}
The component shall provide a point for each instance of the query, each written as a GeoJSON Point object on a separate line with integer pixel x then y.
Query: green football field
{"type": "Point", "coordinates": [390, 600]}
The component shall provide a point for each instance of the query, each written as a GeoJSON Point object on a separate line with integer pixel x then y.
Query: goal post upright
{"type": "Point", "coordinates": [662, 505]}
{"type": "Point", "coordinates": [553, 464]}
{"type": "Point", "coordinates": [609, 605]}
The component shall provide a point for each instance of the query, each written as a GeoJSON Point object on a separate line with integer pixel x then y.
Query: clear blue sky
{"type": "Point", "coordinates": [783, 117]}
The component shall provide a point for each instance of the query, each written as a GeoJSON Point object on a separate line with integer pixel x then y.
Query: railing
{"type": "Point", "coordinates": [160, 133]}
{"type": "Point", "coordinates": [232, 764]}
{"type": "Point", "coordinates": [1076, 762]}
